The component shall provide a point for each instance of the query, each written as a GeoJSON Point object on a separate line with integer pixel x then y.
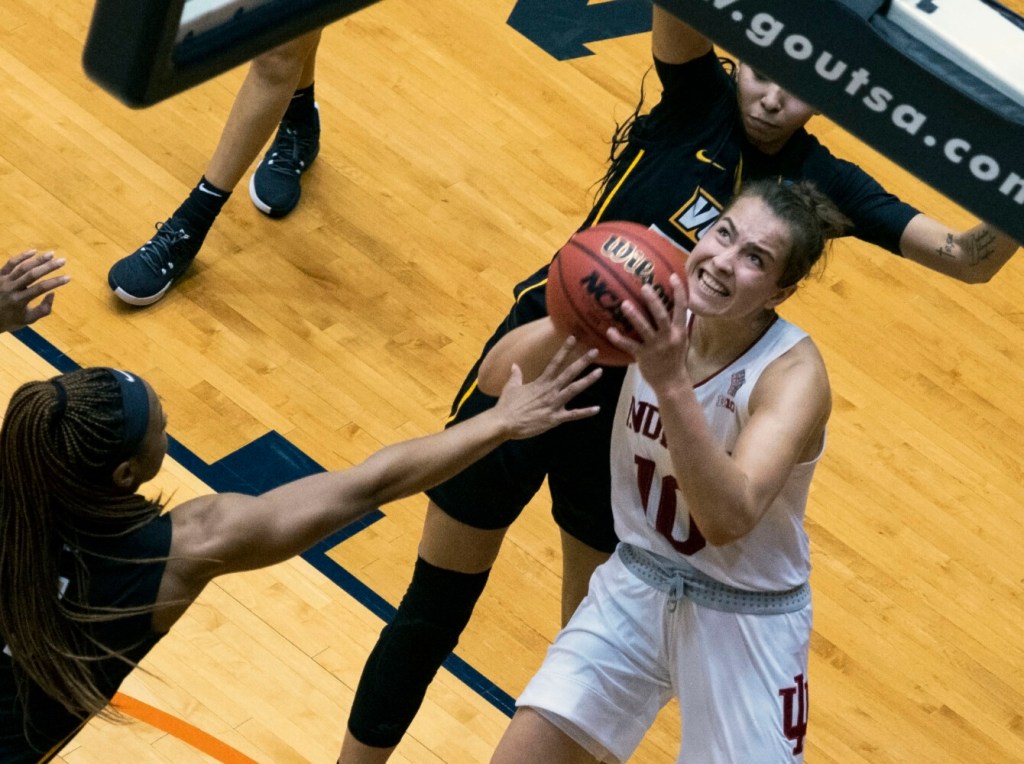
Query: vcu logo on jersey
{"type": "Point", "coordinates": [697, 215]}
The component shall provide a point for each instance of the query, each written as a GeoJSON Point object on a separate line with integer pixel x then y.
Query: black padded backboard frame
{"type": "Point", "coordinates": [133, 49]}
{"type": "Point", "coordinates": [952, 131]}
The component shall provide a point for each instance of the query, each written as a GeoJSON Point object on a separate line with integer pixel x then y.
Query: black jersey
{"type": "Point", "coordinates": [686, 159]}
{"type": "Point", "coordinates": [122, 572]}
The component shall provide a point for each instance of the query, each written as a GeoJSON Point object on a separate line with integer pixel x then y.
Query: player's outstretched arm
{"type": "Point", "coordinates": [21, 282]}
{"type": "Point", "coordinates": [973, 256]}
{"type": "Point", "coordinates": [529, 347]}
{"type": "Point", "coordinates": [535, 407]}
{"type": "Point", "coordinates": [227, 532]}
{"type": "Point", "coordinates": [673, 40]}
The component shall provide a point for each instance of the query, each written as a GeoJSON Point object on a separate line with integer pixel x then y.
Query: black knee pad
{"type": "Point", "coordinates": [434, 611]}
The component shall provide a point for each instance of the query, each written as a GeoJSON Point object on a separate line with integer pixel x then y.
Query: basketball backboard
{"type": "Point", "coordinates": [143, 51]}
{"type": "Point", "coordinates": [896, 85]}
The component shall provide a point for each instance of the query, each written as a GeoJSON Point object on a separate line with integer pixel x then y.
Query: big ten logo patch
{"type": "Point", "coordinates": [735, 383]}
{"type": "Point", "coordinates": [795, 710]}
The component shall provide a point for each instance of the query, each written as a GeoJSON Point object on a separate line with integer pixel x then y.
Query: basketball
{"type": "Point", "coordinates": [596, 270]}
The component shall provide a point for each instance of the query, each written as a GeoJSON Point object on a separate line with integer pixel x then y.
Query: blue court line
{"type": "Point", "coordinates": [266, 463]}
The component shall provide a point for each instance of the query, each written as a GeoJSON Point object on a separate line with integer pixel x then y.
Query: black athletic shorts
{"type": "Point", "coordinates": [491, 493]}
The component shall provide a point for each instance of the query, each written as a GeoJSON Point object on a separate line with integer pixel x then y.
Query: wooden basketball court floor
{"type": "Point", "coordinates": [456, 157]}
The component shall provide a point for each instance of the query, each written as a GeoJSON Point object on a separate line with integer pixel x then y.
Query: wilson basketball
{"type": "Point", "coordinates": [596, 270]}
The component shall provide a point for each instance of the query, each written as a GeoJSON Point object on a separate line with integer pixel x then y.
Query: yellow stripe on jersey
{"type": "Point", "coordinates": [530, 288]}
{"type": "Point", "coordinates": [618, 185]}
{"type": "Point", "coordinates": [462, 400]}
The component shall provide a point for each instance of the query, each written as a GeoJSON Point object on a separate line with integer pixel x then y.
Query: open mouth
{"type": "Point", "coordinates": [711, 285]}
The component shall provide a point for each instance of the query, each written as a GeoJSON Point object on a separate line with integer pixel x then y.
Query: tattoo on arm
{"type": "Point", "coordinates": [978, 245]}
{"type": "Point", "coordinates": [973, 247]}
{"type": "Point", "coordinates": [947, 249]}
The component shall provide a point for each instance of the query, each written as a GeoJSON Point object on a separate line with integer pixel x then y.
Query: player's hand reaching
{"type": "Point", "coordinates": [21, 282]}
{"type": "Point", "coordinates": [539, 405]}
{"type": "Point", "coordinates": [661, 350]}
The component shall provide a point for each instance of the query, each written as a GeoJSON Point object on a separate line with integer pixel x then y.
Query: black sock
{"type": "Point", "coordinates": [202, 206]}
{"type": "Point", "coordinates": [301, 107]}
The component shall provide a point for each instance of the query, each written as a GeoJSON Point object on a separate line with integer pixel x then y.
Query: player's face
{"type": "Point", "coordinates": [147, 462]}
{"type": "Point", "coordinates": [734, 270]}
{"type": "Point", "coordinates": [770, 114]}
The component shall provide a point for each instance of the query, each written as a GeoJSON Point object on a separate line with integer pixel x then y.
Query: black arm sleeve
{"type": "Point", "coordinates": [878, 216]}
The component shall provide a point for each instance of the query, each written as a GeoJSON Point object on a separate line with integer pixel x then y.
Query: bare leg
{"type": "Point", "coordinates": [354, 752]}
{"type": "Point", "coordinates": [309, 67]}
{"type": "Point", "coordinates": [449, 545]}
{"type": "Point", "coordinates": [578, 563]}
{"type": "Point", "coordinates": [261, 102]}
{"type": "Point", "coordinates": [531, 738]}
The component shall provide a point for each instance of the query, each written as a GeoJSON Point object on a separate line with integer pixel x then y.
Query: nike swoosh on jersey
{"type": "Point", "coordinates": [702, 156]}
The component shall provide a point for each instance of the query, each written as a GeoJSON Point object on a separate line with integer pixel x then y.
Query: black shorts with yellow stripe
{"type": "Point", "coordinates": [574, 457]}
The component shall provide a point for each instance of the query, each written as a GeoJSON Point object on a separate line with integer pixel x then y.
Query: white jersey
{"type": "Point", "coordinates": [649, 510]}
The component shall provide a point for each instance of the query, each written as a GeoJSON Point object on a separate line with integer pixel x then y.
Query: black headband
{"type": "Point", "coordinates": [135, 407]}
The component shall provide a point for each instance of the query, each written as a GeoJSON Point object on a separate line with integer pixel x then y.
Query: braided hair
{"type": "Point", "coordinates": [59, 444]}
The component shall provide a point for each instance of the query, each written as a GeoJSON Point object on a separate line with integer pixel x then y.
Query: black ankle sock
{"type": "Point", "coordinates": [203, 205]}
{"type": "Point", "coordinates": [300, 108]}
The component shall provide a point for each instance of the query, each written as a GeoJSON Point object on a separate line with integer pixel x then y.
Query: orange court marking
{"type": "Point", "coordinates": [180, 729]}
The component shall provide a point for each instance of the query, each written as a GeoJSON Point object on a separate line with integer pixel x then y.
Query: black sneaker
{"type": "Point", "coordinates": [146, 274]}
{"type": "Point", "coordinates": [275, 186]}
